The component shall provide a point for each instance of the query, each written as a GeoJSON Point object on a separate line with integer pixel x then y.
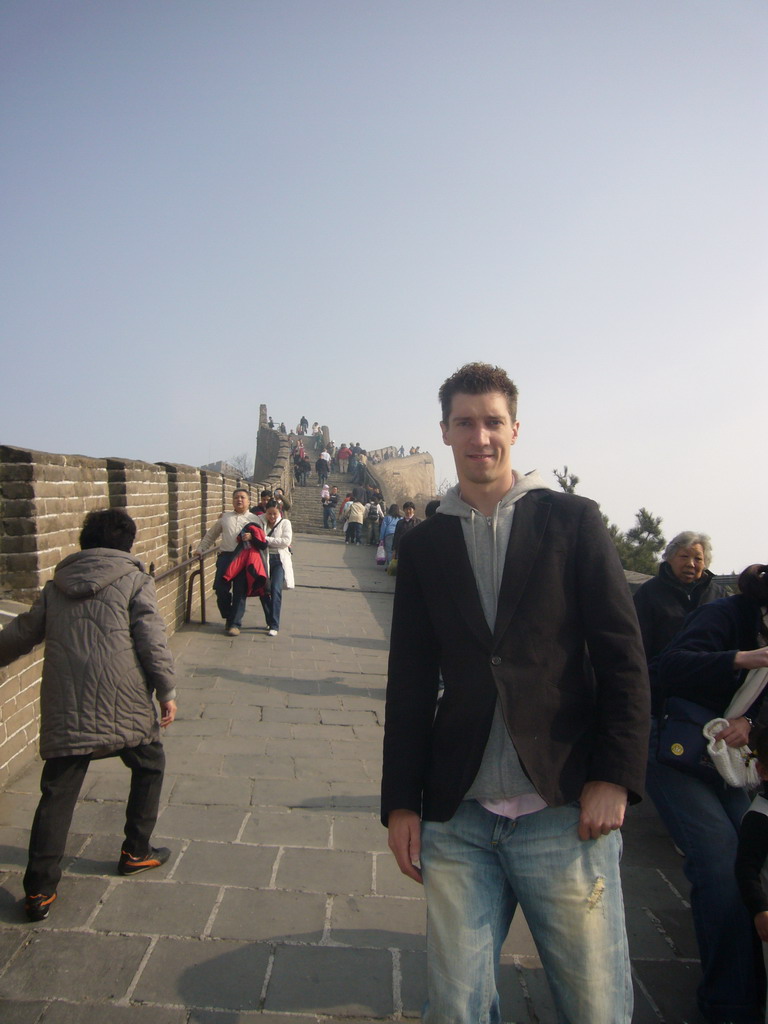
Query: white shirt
{"type": "Point", "coordinates": [229, 526]}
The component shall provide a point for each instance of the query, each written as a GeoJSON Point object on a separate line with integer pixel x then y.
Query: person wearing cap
{"type": "Point", "coordinates": [405, 525]}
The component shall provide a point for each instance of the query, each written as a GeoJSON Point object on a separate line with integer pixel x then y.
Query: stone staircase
{"type": "Point", "coordinates": [306, 512]}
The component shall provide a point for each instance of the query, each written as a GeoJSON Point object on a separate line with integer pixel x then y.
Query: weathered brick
{"type": "Point", "coordinates": [16, 745]}
{"type": "Point", "coordinates": [17, 544]}
{"type": "Point", "coordinates": [10, 453]}
{"type": "Point", "coordinates": [16, 471]}
{"type": "Point", "coordinates": [18, 526]}
{"type": "Point", "coordinates": [9, 685]}
{"type": "Point", "coordinates": [18, 507]}
{"type": "Point", "coordinates": [18, 489]}
{"type": "Point", "coordinates": [20, 561]}
{"type": "Point", "coordinates": [18, 720]}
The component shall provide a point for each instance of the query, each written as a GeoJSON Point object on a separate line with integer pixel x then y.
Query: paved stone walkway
{"type": "Point", "coordinates": [280, 903]}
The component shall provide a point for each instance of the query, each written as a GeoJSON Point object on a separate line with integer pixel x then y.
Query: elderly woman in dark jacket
{"type": "Point", "coordinates": [684, 582]}
{"type": "Point", "coordinates": [707, 662]}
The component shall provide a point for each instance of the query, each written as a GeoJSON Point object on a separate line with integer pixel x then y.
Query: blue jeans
{"type": "Point", "coordinates": [230, 596]}
{"type": "Point", "coordinates": [329, 517]}
{"type": "Point", "coordinates": [477, 868]}
{"type": "Point", "coordinates": [703, 819]}
{"type": "Point", "coordinates": [272, 602]}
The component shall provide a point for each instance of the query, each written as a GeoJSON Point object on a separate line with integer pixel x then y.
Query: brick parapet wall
{"type": "Point", "coordinates": [44, 498]}
{"type": "Point", "coordinates": [19, 713]}
{"type": "Point", "coordinates": [185, 519]}
{"type": "Point", "coordinates": [141, 488]}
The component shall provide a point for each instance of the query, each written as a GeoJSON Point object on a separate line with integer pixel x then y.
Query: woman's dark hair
{"type": "Point", "coordinates": [393, 510]}
{"type": "Point", "coordinates": [108, 528]}
{"type": "Point", "coordinates": [753, 583]}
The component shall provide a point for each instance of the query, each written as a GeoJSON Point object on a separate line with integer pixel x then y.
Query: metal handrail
{"type": "Point", "coordinates": [199, 571]}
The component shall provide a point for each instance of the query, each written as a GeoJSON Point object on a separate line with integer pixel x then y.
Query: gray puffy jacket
{"type": "Point", "coordinates": [105, 653]}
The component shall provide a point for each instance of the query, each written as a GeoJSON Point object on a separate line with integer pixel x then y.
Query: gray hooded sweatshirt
{"type": "Point", "coordinates": [105, 653]}
{"type": "Point", "coordinates": [500, 776]}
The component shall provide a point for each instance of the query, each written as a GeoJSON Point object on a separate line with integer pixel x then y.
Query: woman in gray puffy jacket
{"type": "Point", "coordinates": [106, 654]}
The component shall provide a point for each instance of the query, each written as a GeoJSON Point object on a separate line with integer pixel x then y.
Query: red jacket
{"type": "Point", "coordinates": [249, 560]}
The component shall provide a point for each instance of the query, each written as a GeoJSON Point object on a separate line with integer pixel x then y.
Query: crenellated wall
{"type": "Point", "coordinates": [43, 500]}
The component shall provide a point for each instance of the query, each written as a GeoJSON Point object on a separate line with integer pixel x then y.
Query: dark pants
{"type": "Point", "coordinates": [60, 786]}
{"type": "Point", "coordinates": [272, 602]}
{"type": "Point", "coordinates": [230, 595]}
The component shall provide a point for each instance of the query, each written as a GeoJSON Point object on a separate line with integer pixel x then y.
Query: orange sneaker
{"type": "Point", "coordinates": [129, 865]}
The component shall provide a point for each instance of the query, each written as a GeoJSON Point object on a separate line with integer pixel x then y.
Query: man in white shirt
{"type": "Point", "coordinates": [230, 596]}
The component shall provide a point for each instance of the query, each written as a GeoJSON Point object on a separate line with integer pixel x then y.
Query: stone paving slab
{"type": "Point", "coordinates": [305, 830]}
{"type": "Point", "coordinates": [80, 1013]}
{"type": "Point", "coordinates": [217, 974]}
{"type": "Point", "coordinates": [154, 907]}
{"type": "Point", "coordinates": [60, 965]}
{"type": "Point", "coordinates": [281, 903]}
{"type": "Point", "coordinates": [275, 915]}
{"type": "Point", "coordinates": [307, 978]}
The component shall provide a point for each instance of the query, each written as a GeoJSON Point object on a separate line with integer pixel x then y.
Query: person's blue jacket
{"type": "Point", "coordinates": [698, 663]}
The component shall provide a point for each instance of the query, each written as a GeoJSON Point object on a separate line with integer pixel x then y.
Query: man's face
{"type": "Point", "coordinates": [688, 563]}
{"type": "Point", "coordinates": [240, 502]}
{"type": "Point", "coordinates": [408, 513]}
{"type": "Point", "coordinates": [481, 432]}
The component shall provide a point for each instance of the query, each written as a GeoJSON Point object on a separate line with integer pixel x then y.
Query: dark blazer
{"type": "Point", "coordinates": [563, 595]}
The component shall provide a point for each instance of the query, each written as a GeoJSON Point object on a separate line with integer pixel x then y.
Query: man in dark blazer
{"type": "Point", "coordinates": [511, 787]}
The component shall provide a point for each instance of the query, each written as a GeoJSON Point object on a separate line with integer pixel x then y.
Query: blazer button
{"type": "Point", "coordinates": [495, 660]}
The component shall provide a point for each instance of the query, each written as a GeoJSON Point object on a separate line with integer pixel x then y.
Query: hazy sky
{"type": "Point", "coordinates": [328, 206]}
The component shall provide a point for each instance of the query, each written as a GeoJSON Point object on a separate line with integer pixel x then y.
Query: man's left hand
{"type": "Point", "coordinates": [602, 809]}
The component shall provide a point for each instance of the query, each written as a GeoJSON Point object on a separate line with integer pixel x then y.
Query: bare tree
{"type": "Point", "coordinates": [242, 464]}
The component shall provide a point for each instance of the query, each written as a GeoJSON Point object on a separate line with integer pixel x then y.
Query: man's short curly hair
{"type": "Point", "coordinates": [477, 379]}
{"type": "Point", "coordinates": [108, 528]}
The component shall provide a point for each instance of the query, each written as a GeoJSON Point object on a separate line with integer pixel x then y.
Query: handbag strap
{"type": "Point", "coordinates": [747, 693]}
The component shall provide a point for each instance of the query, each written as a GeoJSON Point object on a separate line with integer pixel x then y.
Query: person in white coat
{"type": "Point", "coordinates": [279, 564]}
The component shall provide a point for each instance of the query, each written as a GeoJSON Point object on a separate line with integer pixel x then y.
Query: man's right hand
{"type": "Point", "coordinates": [167, 712]}
{"type": "Point", "coordinates": [405, 842]}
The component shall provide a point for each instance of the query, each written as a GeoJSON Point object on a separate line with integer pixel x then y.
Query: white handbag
{"type": "Point", "coordinates": [736, 765]}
